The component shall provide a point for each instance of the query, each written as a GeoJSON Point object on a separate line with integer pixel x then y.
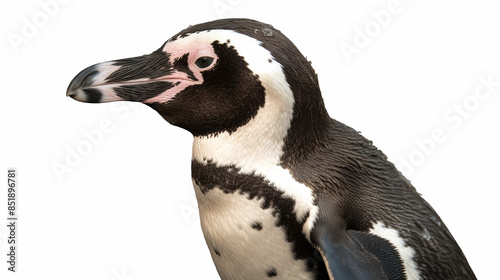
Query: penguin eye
{"type": "Point", "coordinates": [204, 62]}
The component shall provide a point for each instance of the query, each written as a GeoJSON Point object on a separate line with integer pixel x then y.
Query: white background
{"type": "Point", "coordinates": [125, 208]}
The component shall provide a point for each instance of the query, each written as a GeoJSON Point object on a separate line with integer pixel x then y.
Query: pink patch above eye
{"type": "Point", "coordinates": [195, 50]}
{"type": "Point", "coordinates": [177, 49]}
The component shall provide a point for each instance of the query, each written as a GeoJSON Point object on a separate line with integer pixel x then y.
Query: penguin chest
{"type": "Point", "coordinates": [244, 237]}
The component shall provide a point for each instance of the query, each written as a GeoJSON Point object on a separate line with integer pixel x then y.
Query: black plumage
{"type": "Point", "coordinates": [353, 184]}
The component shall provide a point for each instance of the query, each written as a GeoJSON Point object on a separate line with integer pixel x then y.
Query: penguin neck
{"type": "Point", "coordinates": [309, 130]}
{"type": "Point", "coordinates": [259, 145]}
{"type": "Point", "coordinates": [311, 125]}
{"type": "Point", "coordinates": [288, 127]}
{"type": "Point", "coordinates": [256, 145]}
{"type": "Point", "coordinates": [257, 148]}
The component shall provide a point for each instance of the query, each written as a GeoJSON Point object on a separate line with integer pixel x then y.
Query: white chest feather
{"type": "Point", "coordinates": [244, 239]}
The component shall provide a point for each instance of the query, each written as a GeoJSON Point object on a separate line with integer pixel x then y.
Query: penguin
{"type": "Point", "coordinates": [284, 191]}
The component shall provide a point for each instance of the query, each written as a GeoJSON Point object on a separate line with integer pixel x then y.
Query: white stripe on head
{"type": "Point", "coordinates": [259, 143]}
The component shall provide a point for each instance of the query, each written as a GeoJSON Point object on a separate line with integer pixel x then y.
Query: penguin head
{"type": "Point", "coordinates": [210, 78]}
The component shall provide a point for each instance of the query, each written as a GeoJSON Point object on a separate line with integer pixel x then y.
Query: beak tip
{"type": "Point", "coordinates": [81, 87]}
{"type": "Point", "coordinates": [70, 93]}
{"type": "Point", "coordinates": [84, 79]}
{"type": "Point", "coordinates": [76, 94]}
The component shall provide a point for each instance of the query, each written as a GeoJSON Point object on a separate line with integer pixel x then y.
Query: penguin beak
{"type": "Point", "coordinates": [131, 79]}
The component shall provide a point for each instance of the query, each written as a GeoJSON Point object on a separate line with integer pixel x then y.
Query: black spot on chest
{"type": "Point", "coordinates": [272, 273]}
{"type": "Point", "coordinates": [217, 252]}
{"type": "Point", "coordinates": [257, 226]}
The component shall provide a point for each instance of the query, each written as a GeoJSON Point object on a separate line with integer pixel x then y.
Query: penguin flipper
{"type": "Point", "coordinates": [359, 255]}
{"type": "Point", "coordinates": [353, 254]}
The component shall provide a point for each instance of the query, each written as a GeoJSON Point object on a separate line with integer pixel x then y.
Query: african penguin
{"type": "Point", "coordinates": [284, 191]}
